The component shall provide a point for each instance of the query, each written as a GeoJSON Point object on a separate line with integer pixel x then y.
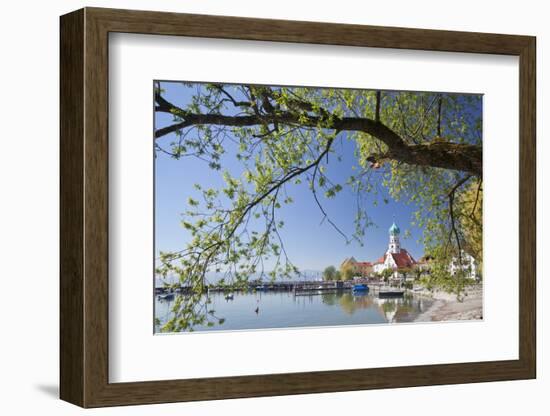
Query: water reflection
{"type": "Point", "coordinates": [257, 310]}
{"type": "Point", "coordinates": [349, 302]}
{"type": "Point", "coordinates": [403, 309]}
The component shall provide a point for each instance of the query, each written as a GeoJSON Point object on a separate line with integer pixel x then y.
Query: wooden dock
{"type": "Point", "coordinates": [303, 287]}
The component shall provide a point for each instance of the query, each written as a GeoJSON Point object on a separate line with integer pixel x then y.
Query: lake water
{"type": "Point", "coordinates": [285, 310]}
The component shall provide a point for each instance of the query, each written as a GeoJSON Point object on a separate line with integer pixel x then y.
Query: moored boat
{"type": "Point", "coordinates": [166, 296]}
{"type": "Point", "coordinates": [391, 293]}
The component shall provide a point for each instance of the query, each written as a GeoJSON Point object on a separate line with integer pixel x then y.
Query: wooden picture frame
{"type": "Point", "coordinates": [84, 207]}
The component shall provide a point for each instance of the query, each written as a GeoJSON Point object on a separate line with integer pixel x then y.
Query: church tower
{"type": "Point", "coordinates": [394, 246]}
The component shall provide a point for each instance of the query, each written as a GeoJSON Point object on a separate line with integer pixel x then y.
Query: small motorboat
{"type": "Point", "coordinates": [391, 293]}
{"type": "Point", "coordinates": [360, 288]}
{"type": "Point", "coordinates": [229, 296]}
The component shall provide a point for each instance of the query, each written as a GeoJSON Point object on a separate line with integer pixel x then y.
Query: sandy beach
{"type": "Point", "coordinates": [447, 308]}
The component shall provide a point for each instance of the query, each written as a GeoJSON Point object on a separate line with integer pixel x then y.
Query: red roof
{"type": "Point", "coordinates": [425, 259]}
{"type": "Point", "coordinates": [402, 259]}
{"type": "Point", "coordinates": [364, 263]}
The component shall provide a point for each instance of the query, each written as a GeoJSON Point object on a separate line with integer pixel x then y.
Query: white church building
{"type": "Point", "coordinates": [395, 258]}
{"type": "Point", "coordinates": [400, 261]}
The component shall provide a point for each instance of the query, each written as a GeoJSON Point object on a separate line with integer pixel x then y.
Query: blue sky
{"type": "Point", "coordinates": [310, 244]}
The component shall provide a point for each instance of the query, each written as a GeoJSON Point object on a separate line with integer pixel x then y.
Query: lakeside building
{"type": "Point", "coordinates": [401, 262]}
{"type": "Point", "coordinates": [469, 266]}
{"type": "Point", "coordinates": [361, 268]}
{"type": "Point", "coordinates": [395, 258]}
{"type": "Point", "coordinates": [424, 264]}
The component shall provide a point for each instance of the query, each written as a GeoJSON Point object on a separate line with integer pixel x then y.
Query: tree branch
{"type": "Point", "coordinates": [321, 208]}
{"type": "Point", "coordinates": [378, 99]}
{"type": "Point", "coordinates": [439, 103]}
{"type": "Point", "coordinates": [451, 213]}
{"type": "Point", "coordinates": [440, 154]}
{"type": "Point", "coordinates": [230, 97]}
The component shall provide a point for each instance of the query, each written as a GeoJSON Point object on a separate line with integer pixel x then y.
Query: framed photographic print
{"type": "Point", "coordinates": [255, 207]}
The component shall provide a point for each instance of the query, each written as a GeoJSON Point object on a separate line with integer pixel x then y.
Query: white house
{"type": "Point", "coordinates": [469, 265]}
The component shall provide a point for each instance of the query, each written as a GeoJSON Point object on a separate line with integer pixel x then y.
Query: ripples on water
{"type": "Point", "coordinates": [285, 310]}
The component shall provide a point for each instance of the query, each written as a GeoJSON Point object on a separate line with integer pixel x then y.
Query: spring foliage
{"type": "Point", "coordinates": [423, 148]}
